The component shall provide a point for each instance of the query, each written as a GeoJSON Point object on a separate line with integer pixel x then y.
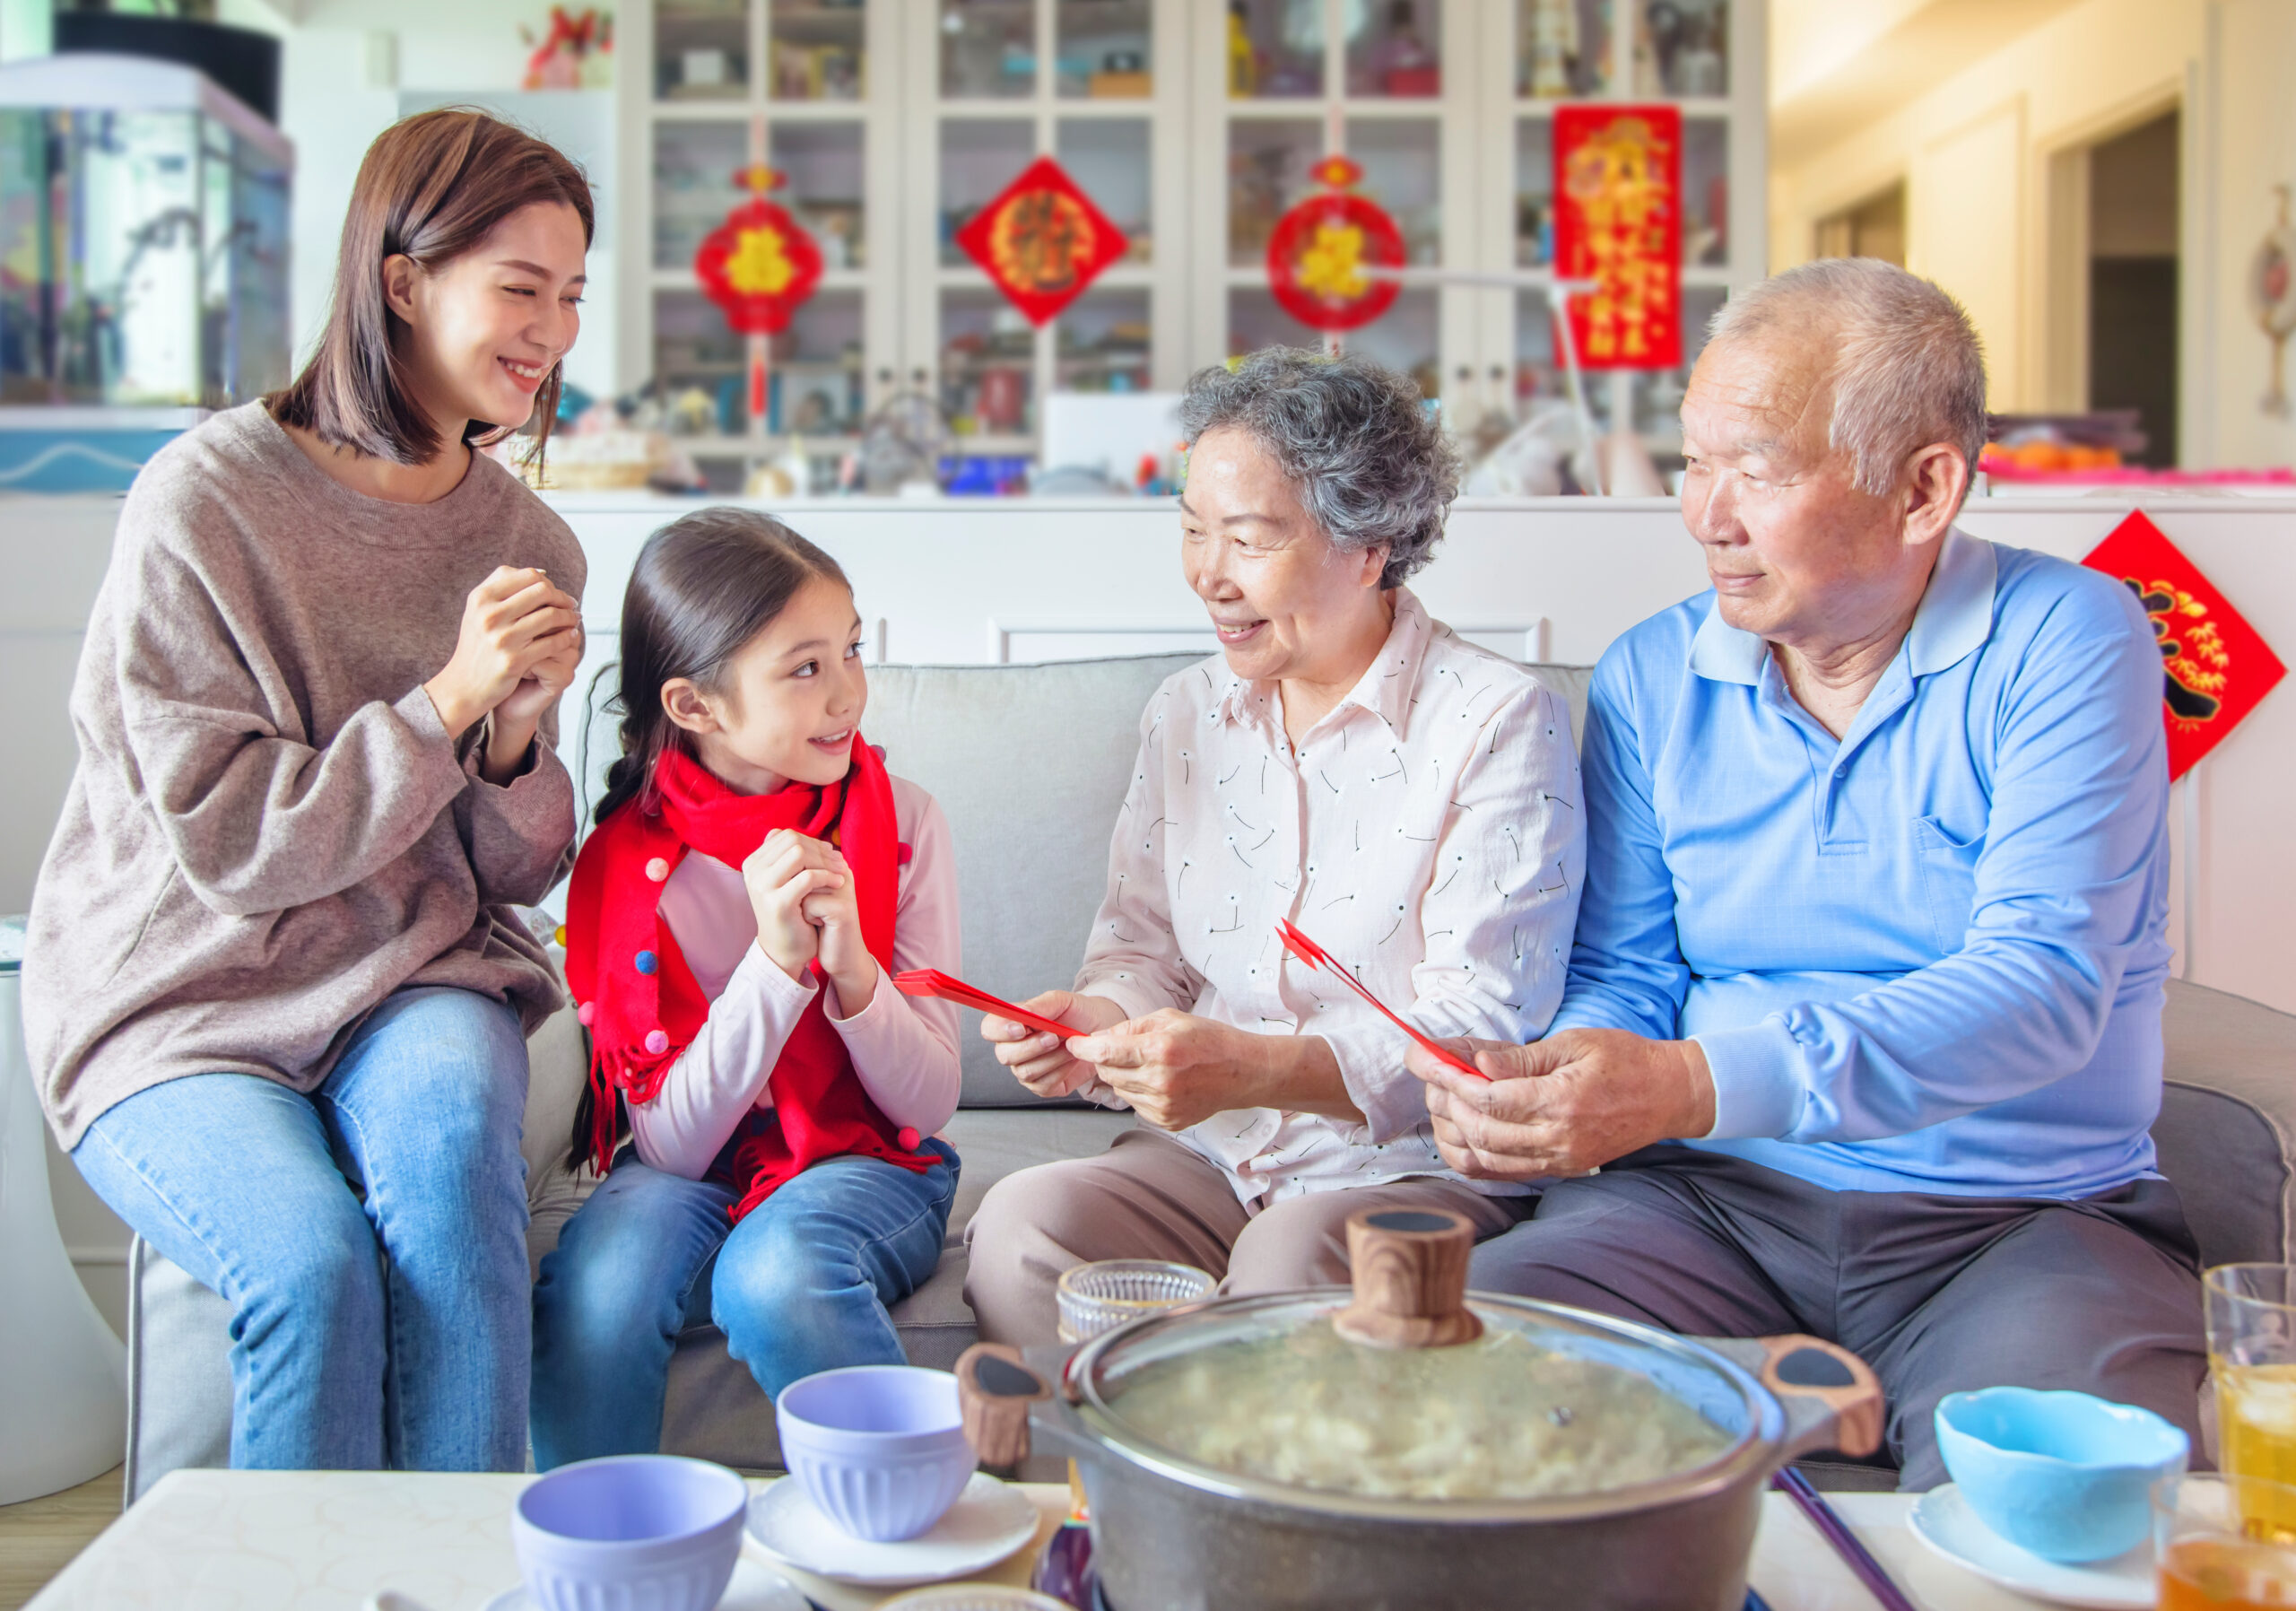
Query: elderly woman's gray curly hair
{"type": "Point", "coordinates": [1369, 459]}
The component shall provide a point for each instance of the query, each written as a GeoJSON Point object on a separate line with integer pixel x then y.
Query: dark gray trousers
{"type": "Point", "coordinates": [1937, 1294]}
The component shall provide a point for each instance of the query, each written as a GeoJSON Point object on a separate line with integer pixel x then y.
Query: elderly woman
{"type": "Point", "coordinates": [1349, 763]}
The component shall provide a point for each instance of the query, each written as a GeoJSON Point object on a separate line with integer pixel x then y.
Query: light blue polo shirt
{"type": "Point", "coordinates": [1927, 956]}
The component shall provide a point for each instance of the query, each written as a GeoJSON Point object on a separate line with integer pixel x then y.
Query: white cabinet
{"type": "Point", "coordinates": [1193, 124]}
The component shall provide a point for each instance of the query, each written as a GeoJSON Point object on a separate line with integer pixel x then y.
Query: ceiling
{"type": "Point", "coordinates": [1838, 65]}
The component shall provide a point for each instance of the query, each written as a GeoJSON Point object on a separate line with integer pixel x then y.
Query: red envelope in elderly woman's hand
{"type": "Point", "coordinates": [932, 981]}
{"type": "Point", "coordinates": [1300, 945]}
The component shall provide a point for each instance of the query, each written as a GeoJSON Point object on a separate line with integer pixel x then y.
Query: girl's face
{"type": "Point", "coordinates": [484, 330]}
{"type": "Point", "coordinates": [790, 700]}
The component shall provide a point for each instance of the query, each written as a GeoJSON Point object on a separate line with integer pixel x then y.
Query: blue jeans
{"type": "Point", "coordinates": [342, 1359]}
{"type": "Point", "coordinates": [800, 1286]}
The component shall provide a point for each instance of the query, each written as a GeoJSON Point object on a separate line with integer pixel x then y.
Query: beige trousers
{"type": "Point", "coordinates": [1150, 1197]}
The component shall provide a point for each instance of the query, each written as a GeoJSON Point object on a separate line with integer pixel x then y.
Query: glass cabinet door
{"type": "Point", "coordinates": [702, 49]}
{"type": "Point", "coordinates": [1105, 50]}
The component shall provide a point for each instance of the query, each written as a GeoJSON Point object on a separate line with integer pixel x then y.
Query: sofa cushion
{"type": "Point", "coordinates": [2228, 1122]}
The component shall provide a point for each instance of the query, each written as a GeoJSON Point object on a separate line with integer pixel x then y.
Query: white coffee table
{"type": "Point", "coordinates": [326, 1541]}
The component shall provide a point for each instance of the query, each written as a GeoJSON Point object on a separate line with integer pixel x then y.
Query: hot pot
{"type": "Point", "coordinates": [1413, 1445]}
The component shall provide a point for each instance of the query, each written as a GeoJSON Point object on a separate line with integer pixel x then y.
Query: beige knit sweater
{"type": "Point", "coordinates": [269, 830]}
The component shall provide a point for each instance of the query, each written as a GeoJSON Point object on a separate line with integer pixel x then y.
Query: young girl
{"type": "Point", "coordinates": [275, 990]}
{"type": "Point", "coordinates": [755, 875]}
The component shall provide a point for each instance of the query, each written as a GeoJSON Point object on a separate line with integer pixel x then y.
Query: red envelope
{"type": "Point", "coordinates": [932, 981]}
{"type": "Point", "coordinates": [1300, 945]}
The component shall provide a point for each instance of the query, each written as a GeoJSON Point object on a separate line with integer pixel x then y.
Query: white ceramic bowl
{"type": "Point", "coordinates": [640, 1532]}
{"type": "Point", "coordinates": [879, 1449]}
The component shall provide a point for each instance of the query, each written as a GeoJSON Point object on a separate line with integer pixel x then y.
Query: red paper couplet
{"type": "Point", "coordinates": [1318, 252]}
{"type": "Point", "coordinates": [760, 262]}
{"type": "Point", "coordinates": [2214, 666]}
{"type": "Point", "coordinates": [1042, 242]}
{"type": "Point", "coordinates": [1618, 220]}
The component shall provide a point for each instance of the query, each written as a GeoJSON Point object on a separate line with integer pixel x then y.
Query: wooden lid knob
{"type": "Point", "coordinates": [1410, 1269]}
{"type": "Point", "coordinates": [994, 1392]}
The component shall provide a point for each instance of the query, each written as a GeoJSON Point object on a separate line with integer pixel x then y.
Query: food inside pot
{"type": "Point", "coordinates": [1505, 1417]}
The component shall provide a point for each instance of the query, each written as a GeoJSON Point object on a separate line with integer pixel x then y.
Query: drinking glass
{"type": "Point", "coordinates": [1099, 1297]}
{"type": "Point", "coordinates": [2213, 1555]}
{"type": "Point", "coordinates": [2252, 1355]}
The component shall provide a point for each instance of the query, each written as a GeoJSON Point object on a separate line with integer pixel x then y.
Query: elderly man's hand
{"type": "Point", "coordinates": [1565, 1105]}
{"type": "Point", "coordinates": [1176, 1069]}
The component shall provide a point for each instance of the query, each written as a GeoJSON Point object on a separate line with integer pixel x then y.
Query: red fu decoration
{"type": "Point", "coordinates": [1618, 221]}
{"type": "Point", "coordinates": [1319, 252]}
{"type": "Point", "coordinates": [1042, 242]}
{"type": "Point", "coordinates": [2214, 667]}
{"type": "Point", "coordinates": [760, 264]}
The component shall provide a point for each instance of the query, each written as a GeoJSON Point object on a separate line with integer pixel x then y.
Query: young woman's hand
{"type": "Point", "coordinates": [1039, 1059]}
{"type": "Point", "coordinates": [518, 716]}
{"type": "Point", "coordinates": [513, 620]}
{"type": "Point", "coordinates": [781, 876]}
{"type": "Point", "coordinates": [836, 914]}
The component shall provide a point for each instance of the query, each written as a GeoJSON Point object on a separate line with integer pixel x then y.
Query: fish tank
{"type": "Point", "coordinates": [144, 220]}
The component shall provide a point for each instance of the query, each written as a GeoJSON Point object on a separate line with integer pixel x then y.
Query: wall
{"type": "Point", "coordinates": [1996, 199]}
{"type": "Point", "coordinates": [1973, 153]}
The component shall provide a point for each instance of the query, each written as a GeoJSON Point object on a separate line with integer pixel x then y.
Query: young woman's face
{"type": "Point", "coordinates": [790, 699]}
{"type": "Point", "coordinates": [484, 329]}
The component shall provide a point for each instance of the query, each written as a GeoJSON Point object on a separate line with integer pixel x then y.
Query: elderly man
{"type": "Point", "coordinates": [1863, 1022]}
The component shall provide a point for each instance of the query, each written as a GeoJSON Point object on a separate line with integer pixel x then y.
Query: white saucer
{"type": "Point", "coordinates": [754, 1587]}
{"type": "Point", "coordinates": [1942, 1519]}
{"type": "Point", "coordinates": [988, 1522]}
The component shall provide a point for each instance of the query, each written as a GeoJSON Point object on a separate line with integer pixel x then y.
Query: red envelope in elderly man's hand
{"type": "Point", "coordinates": [1300, 945]}
{"type": "Point", "coordinates": [932, 981]}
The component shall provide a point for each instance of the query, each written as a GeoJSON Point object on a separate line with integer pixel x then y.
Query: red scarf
{"type": "Point", "coordinates": [642, 1003]}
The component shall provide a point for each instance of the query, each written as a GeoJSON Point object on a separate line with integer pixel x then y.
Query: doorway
{"type": "Point", "coordinates": [2133, 281]}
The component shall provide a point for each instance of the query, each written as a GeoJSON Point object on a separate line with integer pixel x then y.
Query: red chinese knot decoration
{"type": "Point", "coordinates": [760, 262]}
{"type": "Point", "coordinates": [1042, 242]}
{"type": "Point", "coordinates": [1618, 221]}
{"type": "Point", "coordinates": [1318, 251]}
{"type": "Point", "coordinates": [2214, 666]}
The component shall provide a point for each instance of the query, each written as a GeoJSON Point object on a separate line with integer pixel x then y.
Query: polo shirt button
{"type": "Point", "coordinates": [1840, 771]}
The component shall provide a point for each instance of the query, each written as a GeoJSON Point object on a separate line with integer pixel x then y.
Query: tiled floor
{"type": "Point", "coordinates": [39, 1535]}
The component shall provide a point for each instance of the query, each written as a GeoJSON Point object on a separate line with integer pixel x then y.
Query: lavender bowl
{"type": "Point", "coordinates": [879, 1449]}
{"type": "Point", "coordinates": [639, 1532]}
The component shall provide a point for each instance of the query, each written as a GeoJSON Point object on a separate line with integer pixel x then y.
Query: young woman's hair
{"type": "Point", "coordinates": [703, 585]}
{"type": "Point", "coordinates": [432, 186]}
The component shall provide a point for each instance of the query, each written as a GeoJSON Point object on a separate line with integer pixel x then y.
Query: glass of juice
{"type": "Point", "coordinates": [2252, 1358]}
{"type": "Point", "coordinates": [2212, 1557]}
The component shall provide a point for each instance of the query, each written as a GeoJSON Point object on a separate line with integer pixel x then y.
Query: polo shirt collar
{"type": "Point", "coordinates": [1953, 619]}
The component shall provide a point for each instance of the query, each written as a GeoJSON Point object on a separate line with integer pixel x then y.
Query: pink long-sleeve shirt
{"type": "Point", "coordinates": [904, 1048]}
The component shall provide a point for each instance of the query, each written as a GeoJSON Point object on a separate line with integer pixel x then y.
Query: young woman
{"type": "Point", "coordinates": [755, 876]}
{"type": "Point", "coordinates": [274, 990]}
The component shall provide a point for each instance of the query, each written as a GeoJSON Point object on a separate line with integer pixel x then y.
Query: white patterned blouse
{"type": "Point", "coordinates": [1427, 833]}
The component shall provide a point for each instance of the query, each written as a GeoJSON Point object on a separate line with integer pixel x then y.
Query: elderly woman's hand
{"type": "Point", "coordinates": [1040, 1060]}
{"type": "Point", "coordinates": [1177, 1069]}
{"type": "Point", "coordinates": [1566, 1105]}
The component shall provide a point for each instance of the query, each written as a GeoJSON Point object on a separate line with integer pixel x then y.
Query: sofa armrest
{"type": "Point", "coordinates": [2227, 1131]}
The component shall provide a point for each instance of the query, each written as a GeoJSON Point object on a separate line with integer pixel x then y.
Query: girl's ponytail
{"type": "Point", "coordinates": [703, 585]}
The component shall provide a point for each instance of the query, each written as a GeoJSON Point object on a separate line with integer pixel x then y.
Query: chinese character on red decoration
{"type": "Point", "coordinates": [2214, 668]}
{"type": "Point", "coordinates": [1042, 242]}
{"type": "Point", "coordinates": [760, 264]}
{"type": "Point", "coordinates": [1618, 221]}
{"type": "Point", "coordinates": [1319, 252]}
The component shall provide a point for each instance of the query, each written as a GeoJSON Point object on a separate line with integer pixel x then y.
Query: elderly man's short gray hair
{"type": "Point", "coordinates": [1906, 369]}
{"type": "Point", "coordinates": [1369, 459]}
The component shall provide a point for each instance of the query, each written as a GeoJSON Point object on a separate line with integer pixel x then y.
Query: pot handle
{"type": "Point", "coordinates": [995, 1390]}
{"type": "Point", "coordinates": [1832, 1398]}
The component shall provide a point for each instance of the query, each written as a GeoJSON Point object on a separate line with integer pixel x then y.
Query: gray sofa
{"type": "Point", "coordinates": [1030, 762]}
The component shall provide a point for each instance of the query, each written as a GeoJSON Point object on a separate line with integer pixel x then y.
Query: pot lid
{"type": "Point", "coordinates": [1406, 1390]}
